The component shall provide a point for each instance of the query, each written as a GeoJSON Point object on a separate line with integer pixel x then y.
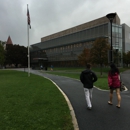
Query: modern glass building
{"type": "Point", "coordinates": [117, 43]}
{"type": "Point", "coordinates": [62, 48]}
{"type": "Point", "coordinates": [126, 37]}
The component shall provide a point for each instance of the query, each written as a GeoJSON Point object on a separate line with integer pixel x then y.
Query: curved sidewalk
{"type": "Point", "coordinates": [102, 116]}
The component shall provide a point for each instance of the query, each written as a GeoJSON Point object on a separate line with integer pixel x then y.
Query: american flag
{"type": "Point", "coordinates": [28, 17]}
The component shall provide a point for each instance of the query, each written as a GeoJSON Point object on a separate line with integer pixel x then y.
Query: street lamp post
{"type": "Point", "coordinates": [111, 16]}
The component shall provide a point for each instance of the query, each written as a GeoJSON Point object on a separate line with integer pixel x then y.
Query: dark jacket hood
{"type": "Point", "coordinates": [86, 71]}
{"type": "Point", "coordinates": [88, 77]}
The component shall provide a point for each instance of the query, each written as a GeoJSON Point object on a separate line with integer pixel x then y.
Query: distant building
{"type": "Point", "coordinates": [126, 37]}
{"type": "Point", "coordinates": [62, 48]}
{"type": "Point", "coordinates": [8, 42]}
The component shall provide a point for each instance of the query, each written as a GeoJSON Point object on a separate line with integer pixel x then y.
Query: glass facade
{"type": "Point", "coordinates": [117, 37]}
{"type": "Point", "coordinates": [126, 38]}
{"type": "Point", "coordinates": [116, 42]}
{"type": "Point", "coordinates": [64, 50]}
{"type": "Point", "coordinates": [72, 45]}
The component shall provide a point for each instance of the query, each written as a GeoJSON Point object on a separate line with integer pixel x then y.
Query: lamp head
{"type": "Point", "coordinates": [111, 16]}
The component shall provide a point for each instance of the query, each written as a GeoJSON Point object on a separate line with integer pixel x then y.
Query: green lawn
{"type": "Point", "coordinates": [31, 103]}
{"type": "Point", "coordinates": [35, 103]}
{"type": "Point", "coordinates": [101, 83]}
{"type": "Point", "coordinates": [75, 73]}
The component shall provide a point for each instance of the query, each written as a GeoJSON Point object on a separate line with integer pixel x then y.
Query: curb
{"type": "Point", "coordinates": [93, 86]}
{"type": "Point", "coordinates": [74, 120]}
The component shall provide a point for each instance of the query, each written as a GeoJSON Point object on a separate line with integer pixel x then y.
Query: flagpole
{"type": "Point", "coordinates": [28, 47]}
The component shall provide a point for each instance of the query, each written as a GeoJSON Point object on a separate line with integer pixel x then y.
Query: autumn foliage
{"type": "Point", "coordinates": [126, 58]}
{"type": "Point", "coordinates": [98, 54]}
{"type": "Point", "coordinates": [84, 57]}
{"type": "Point", "coordinates": [99, 51]}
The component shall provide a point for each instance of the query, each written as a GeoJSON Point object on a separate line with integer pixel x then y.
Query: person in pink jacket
{"type": "Point", "coordinates": [114, 84]}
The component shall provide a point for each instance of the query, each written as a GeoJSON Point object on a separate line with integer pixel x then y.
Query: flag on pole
{"type": "Point", "coordinates": [28, 25]}
{"type": "Point", "coordinates": [28, 17]}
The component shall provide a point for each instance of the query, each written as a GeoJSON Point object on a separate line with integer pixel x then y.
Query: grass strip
{"type": "Point", "coordinates": [101, 83]}
{"type": "Point", "coordinates": [31, 103]}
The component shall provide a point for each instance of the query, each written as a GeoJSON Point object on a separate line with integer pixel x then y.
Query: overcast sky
{"type": "Point", "coordinates": [51, 16]}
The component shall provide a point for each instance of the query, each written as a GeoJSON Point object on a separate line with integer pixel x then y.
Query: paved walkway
{"type": "Point", "coordinates": [102, 116]}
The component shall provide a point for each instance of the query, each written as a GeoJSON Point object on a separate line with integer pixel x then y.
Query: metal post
{"type": "Point", "coordinates": [111, 16]}
{"type": "Point", "coordinates": [111, 42]}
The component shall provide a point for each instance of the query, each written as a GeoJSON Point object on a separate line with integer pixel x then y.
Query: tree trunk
{"type": "Point", "coordinates": [101, 70]}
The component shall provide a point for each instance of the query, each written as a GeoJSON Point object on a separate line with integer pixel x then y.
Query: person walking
{"type": "Point", "coordinates": [51, 67]}
{"type": "Point", "coordinates": [88, 77]}
{"type": "Point", "coordinates": [114, 84]}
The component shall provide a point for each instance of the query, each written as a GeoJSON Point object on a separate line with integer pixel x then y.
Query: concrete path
{"type": "Point", "coordinates": [102, 116]}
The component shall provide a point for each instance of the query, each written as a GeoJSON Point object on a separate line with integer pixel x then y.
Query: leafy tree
{"type": "Point", "coordinates": [16, 54]}
{"type": "Point", "coordinates": [2, 55]}
{"type": "Point", "coordinates": [99, 52]}
{"type": "Point", "coordinates": [126, 58]}
{"type": "Point", "coordinates": [3, 43]}
{"type": "Point", "coordinates": [128, 55]}
{"type": "Point", "coordinates": [84, 57]}
{"type": "Point", "coordinates": [8, 54]}
{"type": "Point", "coordinates": [116, 56]}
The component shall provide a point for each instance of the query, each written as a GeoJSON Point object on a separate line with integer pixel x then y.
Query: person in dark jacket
{"type": "Point", "coordinates": [88, 77]}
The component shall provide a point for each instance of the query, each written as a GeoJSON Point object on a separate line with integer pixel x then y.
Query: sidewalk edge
{"type": "Point", "coordinates": [74, 120]}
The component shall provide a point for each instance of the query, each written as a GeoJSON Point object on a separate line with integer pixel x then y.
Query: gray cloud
{"type": "Point", "coordinates": [51, 16]}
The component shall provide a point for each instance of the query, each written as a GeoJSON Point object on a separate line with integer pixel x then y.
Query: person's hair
{"type": "Point", "coordinates": [88, 66]}
{"type": "Point", "coordinates": [114, 69]}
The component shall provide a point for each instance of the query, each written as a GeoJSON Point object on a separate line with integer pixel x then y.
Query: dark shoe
{"type": "Point", "coordinates": [89, 108]}
{"type": "Point", "coordinates": [117, 106]}
{"type": "Point", "coordinates": [110, 103]}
